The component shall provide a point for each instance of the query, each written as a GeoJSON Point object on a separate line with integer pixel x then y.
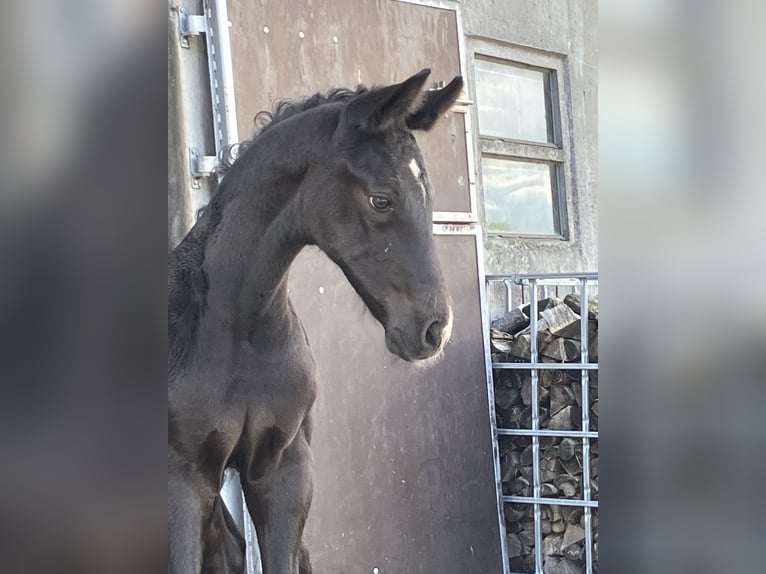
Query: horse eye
{"type": "Point", "coordinates": [380, 203]}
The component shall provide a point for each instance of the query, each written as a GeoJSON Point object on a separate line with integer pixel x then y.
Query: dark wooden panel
{"type": "Point", "coordinates": [404, 470]}
{"type": "Point", "coordinates": [346, 42]}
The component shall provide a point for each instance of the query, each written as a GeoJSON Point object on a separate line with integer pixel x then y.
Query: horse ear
{"type": "Point", "coordinates": [435, 104]}
{"type": "Point", "coordinates": [380, 108]}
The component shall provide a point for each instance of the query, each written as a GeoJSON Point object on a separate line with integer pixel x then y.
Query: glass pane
{"type": "Point", "coordinates": [518, 197]}
{"type": "Point", "coordinates": [512, 102]}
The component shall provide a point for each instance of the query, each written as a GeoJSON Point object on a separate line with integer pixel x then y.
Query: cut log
{"type": "Point", "coordinates": [567, 448]}
{"type": "Point", "coordinates": [526, 392]}
{"type": "Point", "coordinates": [560, 396]}
{"type": "Point", "coordinates": [526, 417]}
{"type": "Point", "coordinates": [562, 420]}
{"type": "Point", "coordinates": [521, 487]}
{"type": "Point", "coordinates": [512, 322]}
{"type": "Point", "coordinates": [510, 465]}
{"type": "Point", "coordinates": [562, 350]}
{"type": "Point", "coordinates": [558, 527]}
{"type": "Point", "coordinates": [548, 490]}
{"type": "Point", "coordinates": [542, 305]}
{"type": "Point", "coordinates": [527, 537]}
{"type": "Point", "coordinates": [514, 545]}
{"type": "Point", "coordinates": [573, 514]}
{"type": "Point", "coordinates": [574, 552]}
{"type": "Point", "coordinates": [500, 342]}
{"type": "Point", "coordinates": [573, 534]}
{"type": "Point", "coordinates": [573, 466]}
{"type": "Point", "coordinates": [561, 321]}
{"type": "Point", "coordinates": [572, 300]}
{"type": "Point", "coordinates": [506, 396]}
{"type": "Point", "coordinates": [515, 512]}
{"type": "Point", "coordinates": [566, 484]}
{"type": "Point", "coordinates": [554, 565]}
{"type": "Point", "coordinates": [552, 377]}
{"type": "Point", "coordinates": [552, 545]}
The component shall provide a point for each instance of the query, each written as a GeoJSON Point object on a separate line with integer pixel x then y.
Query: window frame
{"type": "Point", "coordinates": [555, 154]}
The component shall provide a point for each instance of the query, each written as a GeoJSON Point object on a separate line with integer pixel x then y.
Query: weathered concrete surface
{"type": "Point", "coordinates": [566, 27]}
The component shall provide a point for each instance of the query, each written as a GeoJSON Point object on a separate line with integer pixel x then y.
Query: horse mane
{"type": "Point", "coordinates": [282, 110]}
{"type": "Point", "coordinates": [187, 281]}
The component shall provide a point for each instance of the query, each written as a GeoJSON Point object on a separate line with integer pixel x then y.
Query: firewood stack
{"type": "Point", "coordinates": [560, 408]}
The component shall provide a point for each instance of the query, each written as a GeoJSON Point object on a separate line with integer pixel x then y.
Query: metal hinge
{"type": "Point", "coordinates": [201, 166]}
{"type": "Point", "coordinates": [190, 25]}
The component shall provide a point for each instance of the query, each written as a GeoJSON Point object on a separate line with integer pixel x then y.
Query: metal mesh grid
{"type": "Point", "coordinates": [529, 289]}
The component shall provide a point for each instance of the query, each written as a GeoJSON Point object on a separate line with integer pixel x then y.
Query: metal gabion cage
{"type": "Point", "coordinates": [544, 352]}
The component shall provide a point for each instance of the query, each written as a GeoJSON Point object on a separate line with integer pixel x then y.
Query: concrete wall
{"type": "Point", "coordinates": [564, 29]}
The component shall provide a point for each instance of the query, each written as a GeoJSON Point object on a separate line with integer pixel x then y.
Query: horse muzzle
{"type": "Point", "coordinates": [420, 340]}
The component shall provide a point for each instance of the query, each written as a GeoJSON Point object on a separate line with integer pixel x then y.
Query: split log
{"type": "Point", "coordinates": [575, 552]}
{"type": "Point", "coordinates": [562, 350]}
{"type": "Point", "coordinates": [566, 484]}
{"type": "Point", "coordinates": [515, 512]}
{"type": "Point", "coordinates": [560, 321]}
{"type": "Point", "coordinates": [572, 300]}
{"type": "Point", "coordinates": [542, 305]}
{"type": "Point", "coordinates": [573, 534]}
{"type": "Point", "coordinates": [562, 420]}
{"type": "Point", "coordinates": [514, 545]}
{"type": "Point", "coordinates": [552, 545]}
{"type": "Point", "coordinates": [527, 537]}
{"type": "Point", "coordinates": [567, 449]}
{"type": "Point", "coordinates": [555, 565]}
{"type": "Point", "coordinates": [526, 392]}
{"type": "Point", "coordinates": [512, 322]}
{"type": "Point", "coordinates": [552, 377]}
{"type": "Point", "coordinates": [560, 396]}
{"type": "Point", "coordinates": [573, 466]}
{"type": "Point", "coordinates": [500, 341]}
{"type": "Point", "coordinates": [506, 396]}
{"type": "Point", "coordinates": [548, 490]}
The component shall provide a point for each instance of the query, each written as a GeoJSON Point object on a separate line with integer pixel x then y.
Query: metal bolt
{"type": "Point", "coordinates": [265, 29]}
{"type": "Point", "coordinates": [334, 39]}
{"type": "Point", "coordinates": [301, 35]}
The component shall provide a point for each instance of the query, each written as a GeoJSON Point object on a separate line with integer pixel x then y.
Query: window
{"type": "Point", "coordinates": [521, 155]}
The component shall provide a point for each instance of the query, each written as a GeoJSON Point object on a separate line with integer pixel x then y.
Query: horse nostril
{"type": "Point", "coordinates": [433, 335]}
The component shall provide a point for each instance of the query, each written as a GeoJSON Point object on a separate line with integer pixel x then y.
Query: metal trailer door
{"type": "Point", "coordinates": [405, 479]}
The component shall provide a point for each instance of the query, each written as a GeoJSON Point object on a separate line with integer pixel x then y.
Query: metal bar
{"type": "Point", "coordinates": [484, 299]}
{"type": "Point", "coordinates": [553, 501]}
{"type": "Point", "coordinates": [590, 275]}
{"type": "Point", "coordinates": [535, 427]}
{"type": "Point", "coordinates": [547, 366]}
{"type": "Point", "coordinates": [508, 296]}
{"type": "Point", "coordinates": [584, 381]}
{"type": "Point", "coordinates": [546, 432]}
{"type": "Point", "coordinates": [221, 75]}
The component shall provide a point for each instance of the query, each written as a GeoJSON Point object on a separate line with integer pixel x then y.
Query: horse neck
{"type": "Point", "coordinates": [248, 261]}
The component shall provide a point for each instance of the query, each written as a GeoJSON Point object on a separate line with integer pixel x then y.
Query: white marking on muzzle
{"type": "Point", "coordinates": [447, 331]}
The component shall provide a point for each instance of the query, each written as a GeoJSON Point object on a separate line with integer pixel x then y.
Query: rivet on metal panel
{"type": "Point", "coordinates": [266, 30]}
{"type": "Point", "coordinates": [301, 35]}
{"type": "Point", "coordinates": [334, 39]}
